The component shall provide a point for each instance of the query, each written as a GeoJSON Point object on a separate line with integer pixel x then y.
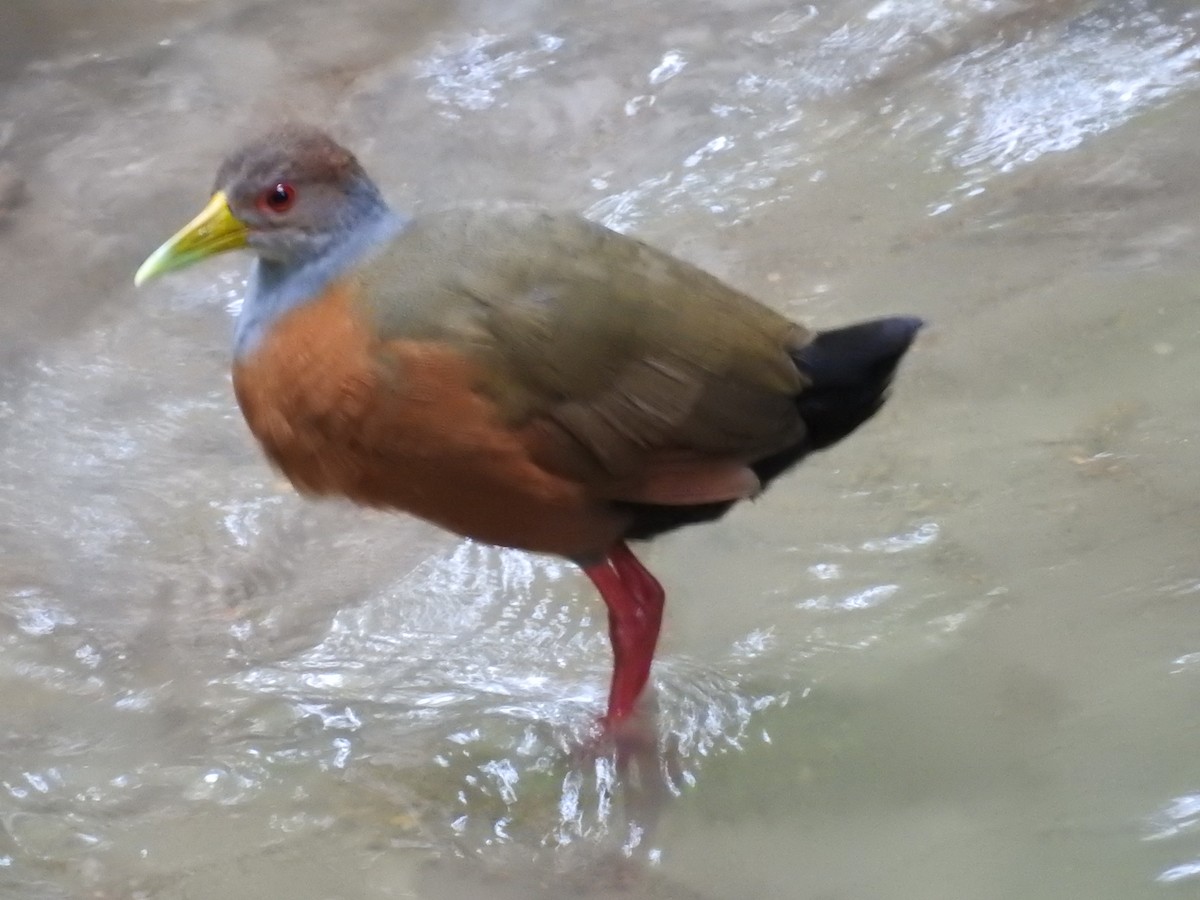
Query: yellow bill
{"type": "Point", "coordinates": [214, 231]}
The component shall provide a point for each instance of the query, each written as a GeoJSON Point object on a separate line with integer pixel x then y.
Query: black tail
{"type": "Point", "coordinates": [848, 370]}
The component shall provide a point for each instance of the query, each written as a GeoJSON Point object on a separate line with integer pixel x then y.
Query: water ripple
{"type": "Point", "coordinates": [472, 74]}
{"type": "Point", "coordinates": [1023, 100]}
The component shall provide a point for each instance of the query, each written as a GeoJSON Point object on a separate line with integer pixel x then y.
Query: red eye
{"type": "Point", "coordinates": [278, 199]}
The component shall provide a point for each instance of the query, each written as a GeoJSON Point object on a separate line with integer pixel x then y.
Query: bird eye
{"type": "Point", "coordinates": [278, 199]}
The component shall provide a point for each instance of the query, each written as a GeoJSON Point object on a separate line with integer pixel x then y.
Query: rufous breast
{"type": "Point", "coordinates": [402, 424]}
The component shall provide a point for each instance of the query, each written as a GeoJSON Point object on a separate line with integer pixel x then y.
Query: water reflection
{"type": "Point", "coordinates": [1181, 872]}
{"type": "Point", "coordinates": [484, 653]}
{"type": "Point", "coordinates": [214, 689]}
{"type": "Point", "coordinates": [1178, 818]}
{"type": "Point", "coordinates": [1085, 76]}
{"type": "Point", "coordinates": [471, 76]}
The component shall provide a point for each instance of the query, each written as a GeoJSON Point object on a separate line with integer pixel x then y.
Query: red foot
{"type": "Point", "coordinates": [635, 604]}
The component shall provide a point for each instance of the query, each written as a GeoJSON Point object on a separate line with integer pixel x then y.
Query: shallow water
{"type": "Point", "coordinates": [956, 657]}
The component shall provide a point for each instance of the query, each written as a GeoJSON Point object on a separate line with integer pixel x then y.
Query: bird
{"type": "Point", "coordinates": [520, 376]}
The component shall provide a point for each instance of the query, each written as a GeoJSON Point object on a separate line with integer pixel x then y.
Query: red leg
{"type": "Point", "coordinates": [635, 604]}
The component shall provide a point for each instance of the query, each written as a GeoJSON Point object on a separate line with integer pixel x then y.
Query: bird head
{"type": "Point", "coordinates": [288, 196]}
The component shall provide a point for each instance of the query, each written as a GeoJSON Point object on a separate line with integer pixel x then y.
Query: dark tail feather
{"type": "Point", "coordinates": [848, 370]}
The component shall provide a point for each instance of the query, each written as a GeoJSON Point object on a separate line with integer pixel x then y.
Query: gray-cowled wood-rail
{"type": "Point", "coordinates": [525, 378]}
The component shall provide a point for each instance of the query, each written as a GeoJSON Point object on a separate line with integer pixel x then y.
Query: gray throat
{"type": "Point", "coordinates": [274, 288]}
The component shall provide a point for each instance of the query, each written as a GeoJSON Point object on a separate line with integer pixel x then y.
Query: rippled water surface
{"type": "Point", "coordinates": [958, 657]}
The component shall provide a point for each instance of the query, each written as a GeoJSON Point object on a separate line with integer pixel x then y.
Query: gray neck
{"type": "Point", "coordinates": [275, 288]}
